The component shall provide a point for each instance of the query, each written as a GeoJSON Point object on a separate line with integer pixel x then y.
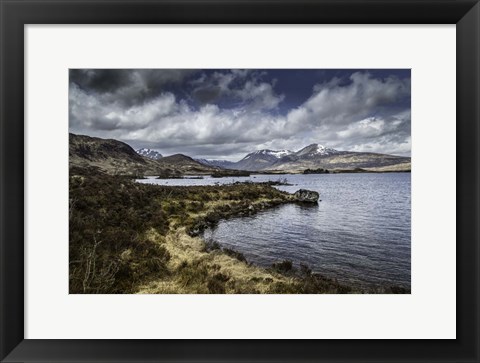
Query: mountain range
{"type": "Point", "coordinates": [314, 156]}
{"type": "Point", "coordinates": [116, 157]}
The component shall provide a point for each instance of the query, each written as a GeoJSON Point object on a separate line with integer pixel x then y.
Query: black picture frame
{"type": "Point", "coordinates": [17, 13]}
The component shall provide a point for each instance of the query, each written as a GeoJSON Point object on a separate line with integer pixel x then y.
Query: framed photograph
{"type": "Point", "coordinates": [208, 181]}
{"type": "Point", "coordinates": [239, 181]}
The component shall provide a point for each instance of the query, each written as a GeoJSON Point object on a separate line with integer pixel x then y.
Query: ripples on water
{"type": "Point", "coordinates": [359, 233]}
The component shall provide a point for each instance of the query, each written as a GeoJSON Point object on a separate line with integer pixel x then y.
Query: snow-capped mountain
{"type": "Point", "coordinates": [149, 153]}
{"type": "Point", "coordinates": [267, 159]}
{"type": "Point", "coordinates": [278, 154]}
{"type": "Point", "coordinates": [261, 159]}
{"type": "Point", "coordinates": [317, 156]}
{"type": "Point", "coordinates": [316, 150]}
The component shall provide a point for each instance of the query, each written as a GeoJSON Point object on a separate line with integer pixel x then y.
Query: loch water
{"type": "Point", "coordinates": [359, 233]}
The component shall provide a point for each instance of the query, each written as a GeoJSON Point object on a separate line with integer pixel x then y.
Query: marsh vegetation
{"type": "Point", "coordinates": [127, 237]}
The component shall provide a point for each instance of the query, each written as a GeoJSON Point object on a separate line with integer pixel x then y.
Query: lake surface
{"type": "Point", "coordinates": [359, 233]}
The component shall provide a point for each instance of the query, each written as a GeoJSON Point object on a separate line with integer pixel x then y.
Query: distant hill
{"type": "Point", "coordinates": [225, 164]}
{"type": "Point", "coordinates": [344, 160]}
{"type": "Point", "coordinates": [116, 157]}
{"type": "Point", "coordinates": [182, 164]}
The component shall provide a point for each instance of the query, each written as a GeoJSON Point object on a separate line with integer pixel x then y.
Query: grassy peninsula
{"type": "Point", "coordinates": [127, 237]}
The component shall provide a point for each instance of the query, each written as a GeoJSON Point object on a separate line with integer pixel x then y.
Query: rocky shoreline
{"type": "Point", "coordinates": [244, 209]}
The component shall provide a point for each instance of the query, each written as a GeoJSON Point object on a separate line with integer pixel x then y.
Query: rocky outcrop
{"type": "Point", "coordinates": [306, 196]}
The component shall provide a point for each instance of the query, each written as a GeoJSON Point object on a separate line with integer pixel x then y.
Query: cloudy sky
{"type": "Point", "coordinates": [227, 113]}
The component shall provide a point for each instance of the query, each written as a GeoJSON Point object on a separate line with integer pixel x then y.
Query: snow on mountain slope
{"type": "Point", "coordinates": [266, 153]}
{"type": "Point", "coordinates": [149, 153]}
{"type": "Point", "coordinates": [316, 150]}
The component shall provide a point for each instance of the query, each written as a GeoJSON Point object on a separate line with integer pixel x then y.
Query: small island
{"type": "Point", "coordinates": [316, 171]}
{"type": "Point", "coordinates": [227, 173]}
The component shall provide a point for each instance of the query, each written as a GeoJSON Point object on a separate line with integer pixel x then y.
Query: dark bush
{"type": "Point", "coordinates": [283, 267]}
{"type": "Point", "coordinates": [216, 283]}
{"type": "Point", "coordinates": [305, 271]}
{"type": "Point", "coordinates": [211, 245]}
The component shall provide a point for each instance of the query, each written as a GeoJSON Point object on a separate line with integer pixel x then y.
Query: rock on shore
{"type": "Point", "coordinates": [307, 196]}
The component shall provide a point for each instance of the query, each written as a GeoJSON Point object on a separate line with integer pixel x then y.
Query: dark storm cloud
{"type": "Point", "coordinates": [207, 94]}
{"type": "Point", "coordinates": [227, 113]}
{"type": "Point", "coordinates": [127, 86]}
{"type": "Point", "coordinates": [100, 80]}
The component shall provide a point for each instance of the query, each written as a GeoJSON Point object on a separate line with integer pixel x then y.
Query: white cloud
{"type": "Point", "coordinates": [89, 111]}
{"type": "Point", "coordinates": [369, 127]}
{"type": "Point", "coordinates": [335, 104]}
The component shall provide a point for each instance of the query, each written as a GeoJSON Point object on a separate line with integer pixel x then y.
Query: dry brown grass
{"type": "Point", "coordinates": [392, 168]}
{"type": "Point", "coordinates": [195, 271]}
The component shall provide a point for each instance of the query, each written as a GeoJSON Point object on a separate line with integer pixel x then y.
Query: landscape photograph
{"type": "Point", "coordinates": [239, 181]}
